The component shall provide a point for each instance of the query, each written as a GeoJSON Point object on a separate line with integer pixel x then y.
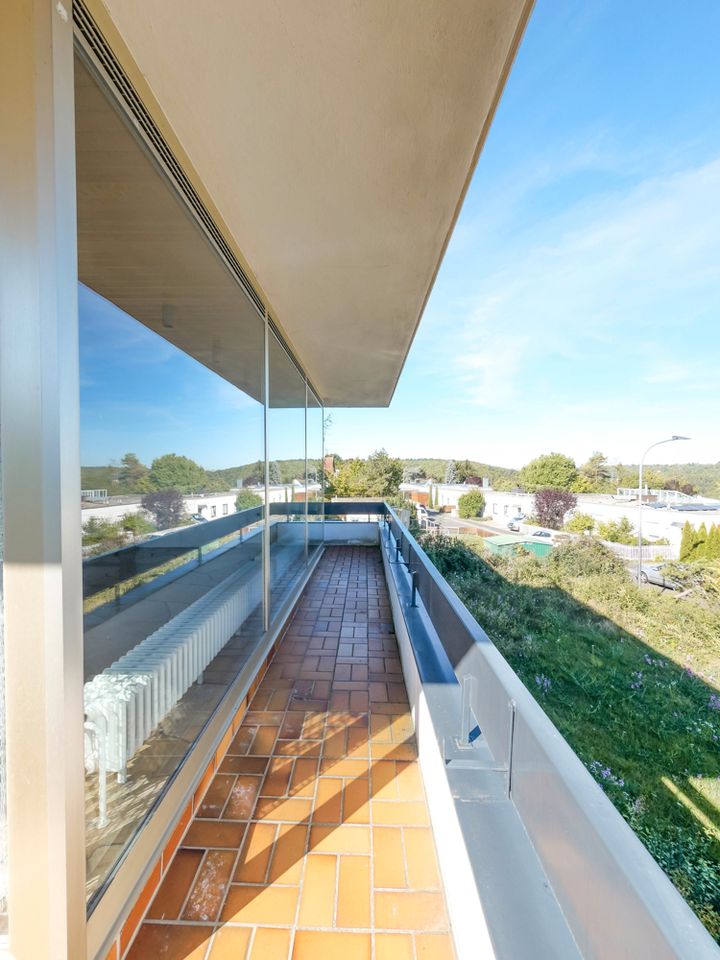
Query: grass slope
{"type": "Point", "coordinates": [629, 677]}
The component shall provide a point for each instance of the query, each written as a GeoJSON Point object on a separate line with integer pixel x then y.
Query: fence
{"type": "Point", "coordinates": [650, 552]}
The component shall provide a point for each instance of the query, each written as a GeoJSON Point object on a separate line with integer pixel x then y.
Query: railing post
{"type": "Point", "coordinates": [512, 707]}
{"type": "Point", "coordinates": [398, 548]}
{"type": "Point", "coordinates": [413, 599]}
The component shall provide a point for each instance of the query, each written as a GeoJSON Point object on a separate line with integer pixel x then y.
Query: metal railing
{"type": "Point", "coordinates": [615, 899]}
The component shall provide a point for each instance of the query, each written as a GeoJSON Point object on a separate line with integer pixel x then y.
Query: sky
{"type": "Point", "coordinates": [577, 306]}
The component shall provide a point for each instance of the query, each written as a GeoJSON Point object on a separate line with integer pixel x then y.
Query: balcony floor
{"type": "Point", "coordinates": [313, 840]}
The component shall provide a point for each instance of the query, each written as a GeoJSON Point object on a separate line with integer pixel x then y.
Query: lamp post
{"type": "Point", "coordinates": [640, 496]}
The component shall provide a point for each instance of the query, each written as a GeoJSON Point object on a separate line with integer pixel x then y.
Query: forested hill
{"type": "Point", "coordinates": [500, 477]}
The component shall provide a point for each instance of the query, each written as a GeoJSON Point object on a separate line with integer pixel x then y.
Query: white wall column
{"type": "Point", "coordinates": [39, 412]}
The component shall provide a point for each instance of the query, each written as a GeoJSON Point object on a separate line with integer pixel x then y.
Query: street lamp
{"type": "Point", "coordinates": [640, 495]}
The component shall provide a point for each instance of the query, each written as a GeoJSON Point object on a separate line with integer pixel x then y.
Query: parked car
{"type": "Point", "coordinates": [513, 526]}
{"type": "Point", "coordinates": [652, 573]}
{"type": "Point", "coordinates": [198, 517]}
{"type": "Point", "coordinates": [541, 533]}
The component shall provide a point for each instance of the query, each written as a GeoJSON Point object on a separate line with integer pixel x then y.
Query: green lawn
{"type": "Point", "coordinates": [629, 676]}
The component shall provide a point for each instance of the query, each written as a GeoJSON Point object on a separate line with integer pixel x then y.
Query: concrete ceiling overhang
{"type": "Point", "coordinates": [337, 139]}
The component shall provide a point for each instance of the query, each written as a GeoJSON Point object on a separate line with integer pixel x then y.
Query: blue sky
{"type": "Point", "coordinates": [577, 306]}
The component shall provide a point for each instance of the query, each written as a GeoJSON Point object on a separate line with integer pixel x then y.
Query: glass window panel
{"type": "Point", "coordinates": [286, 453]}
{"type": "Point", "coordinates": [3, 769]}
{"type": "Point", "coordinates": [315, 470]}
{"type": "Point", "coordinates": [172, 432]}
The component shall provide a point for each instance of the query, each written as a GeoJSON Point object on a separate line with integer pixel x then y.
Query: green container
{"type": "Point", "coordinates": [507, 544]}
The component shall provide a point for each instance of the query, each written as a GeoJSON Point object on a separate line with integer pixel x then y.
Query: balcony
{"type": "Point", "coordinates": [390, 786]}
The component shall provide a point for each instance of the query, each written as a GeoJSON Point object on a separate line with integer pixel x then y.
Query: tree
{"type": "Point", "coordinates": [580, 523]}
{"type": "Point", "coordinates": [471, 504]}
{"type": "Point", "coordinates": [177, 473]}
{"type": "Point", "coordinates": [596, 470]}
{"type": "Point", "coordinates": [687, 542]}
{"type": "Point", "coordinates": [349, 480]}
{"type": "Point", "coordinates": [551, 505]}
{"type": "Point", "coordinates": [451, 472]}
{"type": "Point", "coordinates": [246, 499]}
{"type": "Point", "coordinates": [551, 471]}
{"type": "Point", "coordinates": [274, 473]}
{"type": "Point", "coordinates": [167, 506]}
{"type": "Point", "coordinates": [102, 534]}
{"type": "Point", "coordinates": [467, 472]}
{"type": "Point", "coordinates": [132, 473]}
{"type": "Point", "coordinates": [712, 544]}
{"type": "Point", "coordinates": [383, 474]}
{"type": "Point", "coordinates": [618, 531]}
{"type": "Point", "coordinates": [136, 525]}
{"type": "Point", "coordinates": [701, 536]}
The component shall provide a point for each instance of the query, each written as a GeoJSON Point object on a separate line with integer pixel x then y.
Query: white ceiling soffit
{"type": "Point", "coordinates": [336, 139]}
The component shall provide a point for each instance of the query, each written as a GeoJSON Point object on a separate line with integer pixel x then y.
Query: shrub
{"type": "Point", "coordinates": [471, 504]}
{"type": "Point", "coordinates": [246, 499]}
{"type": "Point", "coordinates": [552, 504]}
{"type": "Point", "coordinates": [585, 558]}
{"type": "Point", "coordinates": [580, 523]}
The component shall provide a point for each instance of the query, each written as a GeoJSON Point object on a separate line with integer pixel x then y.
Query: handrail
{"type": "Point", "coordinates": [108, 570]}
{"type": "Point", "coordinates": [616, 900]}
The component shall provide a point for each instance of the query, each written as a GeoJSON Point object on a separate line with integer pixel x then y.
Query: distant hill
{"type": "Point", "coordinates": [705, 477]}
{"type": "Point", "coordinates": [501, 478]}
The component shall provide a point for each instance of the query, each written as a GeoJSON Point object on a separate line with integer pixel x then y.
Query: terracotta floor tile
{"type": "Point", "coordinates": [312, 945]}
{"type": "Point", "coordinates": [380, 728]}
{"type": "Point", "coordinates": [344, 768]}
{"type": "Point", "coordinates": [383, 785]}
{"type": "Point", "coordinates": [393, 751]}
{"type": "Point", "coordinates": [402, 910]}
{"type": "Point", "coordinates": [399, 812]}
{"type": "Point", "coordinates": [304, 778]}
{"type": "Point", "coordinates": [214, 833]}
{"type": "Point", "coordinates": [252, 765]}
{"type": "Point", "coordinates": [420, 858]}
{"type": "Point", "coordinates": [208, 891]}
{"type": "Point", "coordinates": [433, 946]}
{"type": "Point", "coordinates": [264, 741]}
{"type": "Point", "coordinates": [328, 801]}
{"type": "Point", "coordinates": [388, 859]}
{"type": "Point", "coordinates": [353, 907]}
{"type": "Point", "coordinates": [317, 894]}
{"type": "Point", "coordinates": [288, 852]}
{"type": "Point", "coordinates": [291, 810]}
{"type": "Point", "coordinates": [269, 944]}
{"type": "Point", "coordinates": [230, 943]}
{"type": "Point", "coordinates": [255, 856]}
{"type": "Point", "coordinates": [358, 744]}
{"type": "Point", "coordinates": [393, 946]}
{"type": "Point", "coordinates": [247, 904]}
{"type": "Point", "coordinates": [356, 806]}
{"type": "Point", "coordinates": [409, 781]}
{"type": "Point", "coordinates": [175, 886]}
{"type": "Point", "coordinates": [340, 839]}
{"type": "Point", "coordinates": [216, 796]}
{"type": "Point", "coordinates": [241, 802]}
{"type": "Point", "coordinates": [298, 748]}
{"type": "Point", "coordinates": [327, 746]}
{"type": "Point", "coordinates": [291, 726]}
{"type": "Point", "coordinates": [170, 941]}
{"type": "Point", "coordinates": [277, 777]}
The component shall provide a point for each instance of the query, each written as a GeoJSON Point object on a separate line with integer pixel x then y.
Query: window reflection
{"type": "Point", "coordinates": [286, 439]}
{"type": "Point", "coordinates": [172, 516]}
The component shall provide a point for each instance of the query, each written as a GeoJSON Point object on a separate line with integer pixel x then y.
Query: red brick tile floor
{"type": "Point", "coordinates": [313, 840]}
